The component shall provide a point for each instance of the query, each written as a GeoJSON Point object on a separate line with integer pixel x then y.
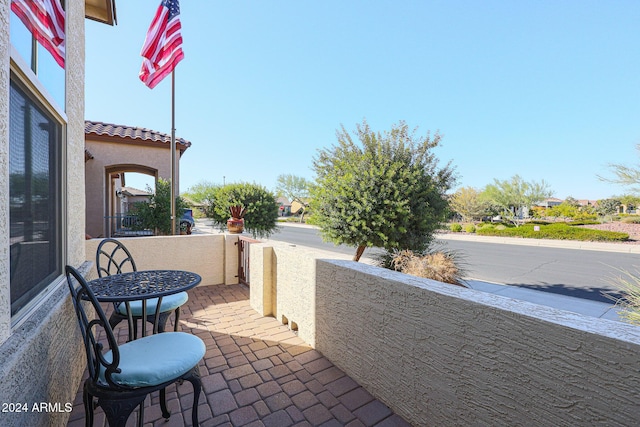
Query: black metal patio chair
{"type": "Point", "coordinates": [121, 376]}
{"type": "Point", "coordinates": [112, 257]}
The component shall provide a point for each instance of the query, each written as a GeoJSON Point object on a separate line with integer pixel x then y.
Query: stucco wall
{"type": "Point", "coordinates": [5, 298]}
{"type": "Point", "coordinates": [283, 284]}
{"type": "Point", "coordinates": [204, 254]}
{"type": "Point", "coordinates": [74, 98]}
{"type": "Point", "coordinates": [438, 354]}
{"type": "Point", "coordinates": [42, 361]}
{"type": "Point", "coordinates": [106, 154]}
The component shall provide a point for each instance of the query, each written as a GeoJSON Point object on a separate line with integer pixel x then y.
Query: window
{"type": "Point", "coordinates": [35, 196]}
{"type": "Point", "coordinates": [50, 74]}
{"type": "Point", "coordinates": [36, 153]}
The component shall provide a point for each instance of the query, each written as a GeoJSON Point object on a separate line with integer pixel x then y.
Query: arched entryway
{"type": "Point", "coordinates": [119, 198]}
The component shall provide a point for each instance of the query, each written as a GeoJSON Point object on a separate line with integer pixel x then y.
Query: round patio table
{"type": "Point", "coordinates": [142, 285]}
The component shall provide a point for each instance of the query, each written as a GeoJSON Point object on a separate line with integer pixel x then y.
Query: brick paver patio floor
{"type": "Point", "coordinates": [256, 372]}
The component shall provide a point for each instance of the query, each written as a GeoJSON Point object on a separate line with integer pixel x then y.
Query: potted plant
{"type": "Point", "coordinates": [235, 224]}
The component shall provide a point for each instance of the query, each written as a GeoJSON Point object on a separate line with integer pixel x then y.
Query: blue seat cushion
{"type": "Point", "coordinates": [155, 359]}
{"type": "Point", "coordinates": [169, 303]}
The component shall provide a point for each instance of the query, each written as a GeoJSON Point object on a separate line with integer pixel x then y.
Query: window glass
{"type": "Point", "coordinates": [49, 73]}
{"type": "Point", "coordinates": [34, 197]}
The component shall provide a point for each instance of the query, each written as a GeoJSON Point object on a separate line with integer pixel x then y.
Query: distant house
{"type": "Point", "coordinates": [587, 202]}
{"type": "Point", "coordinates": [129, 196]}
{"type": "Point", "coordinates": [284, 206]}
{"type": "Point", "coordinates": [550, 202]}
{"type": "Point", "coordinates": [112, 151]}
{"type": "Point", "coordinates": [297, 207]}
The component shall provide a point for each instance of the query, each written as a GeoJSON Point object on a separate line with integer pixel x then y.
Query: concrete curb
{"type": "Point", "coordinates": [565, 244]}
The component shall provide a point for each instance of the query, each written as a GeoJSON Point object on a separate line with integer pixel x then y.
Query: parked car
{"type": "Point", "coordinates": [186, 221]}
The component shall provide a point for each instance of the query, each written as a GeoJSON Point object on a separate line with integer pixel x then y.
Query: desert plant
{"type": "Point", "coordinates": [631, 220]}
{"type": "Point", "coordinates": [455, 227]}
{"type": "Point", "coordinates": [470, 228]}
{"type": "Point", "coordinates": [629, 286]}
{"type": "Point", "coordinates": [440, 266]}
{"type": "Point", "coordinates": [259, 205]}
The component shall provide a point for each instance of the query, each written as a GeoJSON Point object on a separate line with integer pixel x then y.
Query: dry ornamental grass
{"type": "Point", "coordinates": [436, 266]}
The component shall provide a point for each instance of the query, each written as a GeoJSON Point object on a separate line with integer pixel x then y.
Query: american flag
{"type": "Point", "coordinates": [45, 20]}
{"type": "Point", "coordinates": [162, 49]}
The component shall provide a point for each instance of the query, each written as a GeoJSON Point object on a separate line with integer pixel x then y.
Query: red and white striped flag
{"type": "Point", "coordinates": [45, 20]}
{"type": "Point", "coordinates": [162, 49]}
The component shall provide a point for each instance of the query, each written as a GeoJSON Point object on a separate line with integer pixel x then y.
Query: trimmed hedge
{"type": "Point", "coordinates": [455, 227]}
{"type": "Point", "coordinates": [558, 231]}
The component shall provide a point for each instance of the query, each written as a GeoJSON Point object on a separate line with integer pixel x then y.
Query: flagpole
{"type": "Point", "coordinates": [173, 152]}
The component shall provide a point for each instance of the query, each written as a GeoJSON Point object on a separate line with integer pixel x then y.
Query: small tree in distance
{"type": "Point", "coordinates": [467, 203]}
{"type": "Point", "coordinates": [608, 207]}
{"type": "Point", "coordinates": [514, 195]}
{"type": "Point", "coordinates": [296, 189]}
{"type": "Point", "coordinates": [156, 213]}
{"type": "Point", "coordinates": [380, 189]}
{"type": "Point", "coordinates": [203, 192]}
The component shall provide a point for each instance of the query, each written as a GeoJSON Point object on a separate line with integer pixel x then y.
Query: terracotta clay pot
{"type": "Point", "coordinates": [235, 225]}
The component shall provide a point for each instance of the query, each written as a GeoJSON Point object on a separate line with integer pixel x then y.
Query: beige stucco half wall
{"type": "Point", "coordinates": [213, 256]}
{"type": "Point", "coordinates": [439, 354]}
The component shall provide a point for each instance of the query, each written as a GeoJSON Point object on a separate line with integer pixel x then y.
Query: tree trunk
{"type": "Point", "coordinates": [359, 252]}
{"type": "Point", "coordinates": [302, 215]}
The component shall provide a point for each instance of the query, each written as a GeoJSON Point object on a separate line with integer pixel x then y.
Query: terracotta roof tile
{"type": "Point", "coordinates": [109, 129]}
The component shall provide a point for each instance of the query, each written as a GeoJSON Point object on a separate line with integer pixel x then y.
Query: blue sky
{"type": "Point", "coordinates": [544, 89]}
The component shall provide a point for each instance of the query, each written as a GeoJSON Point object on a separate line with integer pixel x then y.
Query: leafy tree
{"type": "Point", "coordinates": [294, 188]}
{"type": "Point", "coordinates": [607, 207]}
{"type": "Point", "coordinates": [156, 213]}
{"type": "Point", "coordinates": [515, 195]}
{"type": "Point", "coordinates": [468, 204]}
{"type": "Point", "coordinates": [261, 209]}
{"type": "Point", "coordinates": [572, 202]}
{"type": "Point", "coordinates": [625, 175]}
{"type": "Point", "coordinates": [380, 189]}
{"type": "Point", "coordinates": [203, 192]}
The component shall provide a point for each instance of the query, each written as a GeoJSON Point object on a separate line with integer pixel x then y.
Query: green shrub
{"type": "Point", "coordinates": [260, 205]}
{"type": "Point", "coordinates": [484, 225]}
{"type": "Point", "coordinates": [539, 222]}
{"type": "Point", "coordinates": [500, 227]}
{"type": "Point", "coordinates": [558, 231]}
{"type": "Point", "coordinates": [156, 213]}
{"type": "Point", "coordinates": [455, 227]}
{"type": "Point", "coordinates": [584, 222]}
{"type": "Point", "coordinates": [470, 228]}
{"type": "Point", "coordinates": [631, 220]}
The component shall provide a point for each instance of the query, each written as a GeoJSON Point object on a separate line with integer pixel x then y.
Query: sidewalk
{"type": "Point", "coordinates": [563, 302]}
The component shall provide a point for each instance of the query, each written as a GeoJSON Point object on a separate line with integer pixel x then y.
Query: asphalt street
{"type": "Point", "coordinates": [577, 272]}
